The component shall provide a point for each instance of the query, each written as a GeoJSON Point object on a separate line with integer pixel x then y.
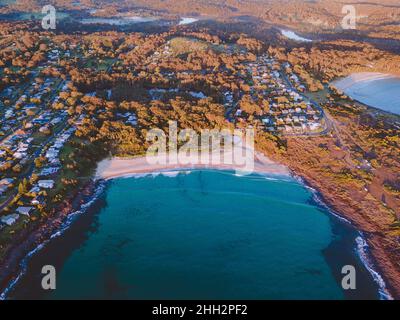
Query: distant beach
{"type": "Point", "coordinates": [377, 90]}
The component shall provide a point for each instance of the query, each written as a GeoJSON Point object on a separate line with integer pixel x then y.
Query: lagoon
{"type": "Point", "coordinates": [187, 20]}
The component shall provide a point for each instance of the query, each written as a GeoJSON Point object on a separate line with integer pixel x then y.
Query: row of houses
{"type": "Point", "coordinates": [10, 219]}
{"type": "Point", "coordinates": [29, 115]}
{"type": "Point", "coordinates": [26, 104]}
{"type": "Point", "coordinates": [288, 110]}
{"type": "Point", "coordinates": [52, 153]}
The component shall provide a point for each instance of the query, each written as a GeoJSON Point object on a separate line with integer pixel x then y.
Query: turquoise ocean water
{"type": "Point", "coordinates": [201, 235]}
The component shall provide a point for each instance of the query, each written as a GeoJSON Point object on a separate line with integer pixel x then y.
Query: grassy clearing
{"type": "Point", "coordinates": [182, 45]}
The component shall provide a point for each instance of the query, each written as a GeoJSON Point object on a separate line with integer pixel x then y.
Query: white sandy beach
{"type": "Point", "coordinates": [125, 167]}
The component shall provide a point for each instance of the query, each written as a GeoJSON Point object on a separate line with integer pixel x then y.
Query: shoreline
{"type": "Point", "coordinates": [98, 185]}
{"type": "Point", "coordinates": [361, 245]}
{"type": "Point", "coordinates": [379, 260]}
{"type": "Point", "coordinates": [13, 267]}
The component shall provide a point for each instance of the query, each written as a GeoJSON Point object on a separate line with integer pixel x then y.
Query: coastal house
{"type": "Point", "coordinates": [22, 149]}
{"type": "Point", "coordinates": [132, 120]}
{"type": "Point", "coordinates": [25, 210]}
{"type": "Point", "coordinates": [44, 129]}
{"type": "Point", "coordinates": [267, 121]}
{"type": "Point", "coordinates": [51, 154]}
{"type": "Point", "coordinates": [288, 120]}
{"type": "Point", "coordinates": [9, 219]}
{"type": "Point", "coordinates": [55, 121]}
{"type": "Point", "coordinates": [39, 121]}
{"type": "Point", "coordinates": [9, 113]}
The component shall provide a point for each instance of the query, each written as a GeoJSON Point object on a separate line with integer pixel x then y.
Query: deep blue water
{"type": "Point", "coordinates": [201, 235]}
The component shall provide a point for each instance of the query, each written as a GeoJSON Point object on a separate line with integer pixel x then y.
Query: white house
{"type": "Point", "coordinates": [46, 184]}
{"type": "Point", "coordinates": [24, 210]}
{"type": "Point", "coordinates": [10, 219]}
